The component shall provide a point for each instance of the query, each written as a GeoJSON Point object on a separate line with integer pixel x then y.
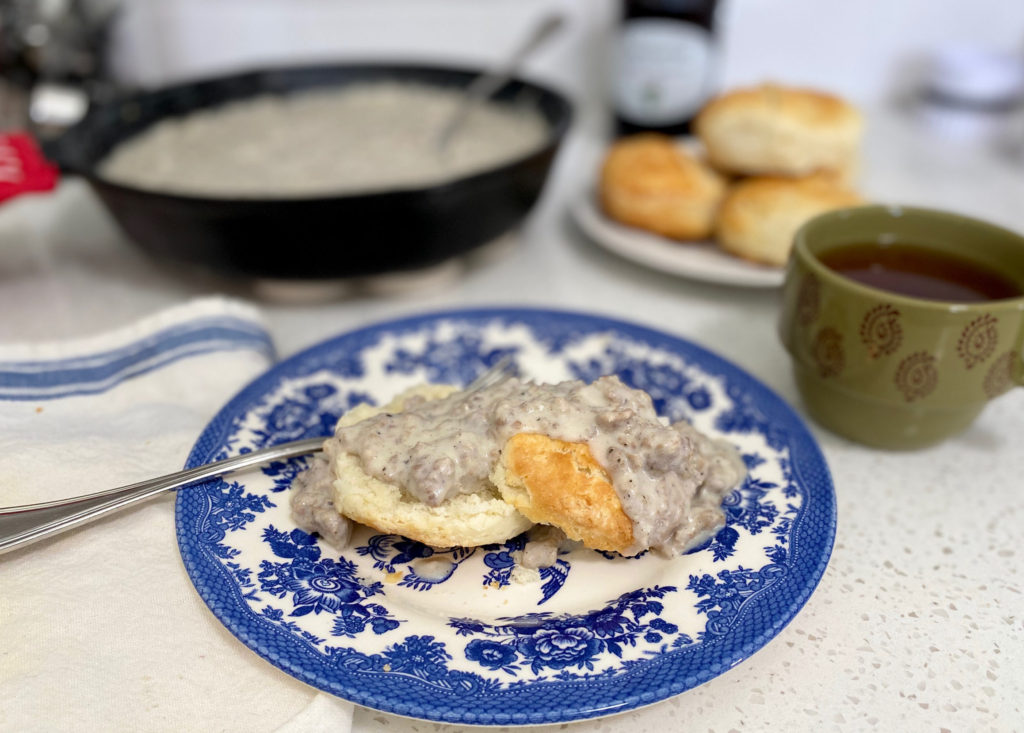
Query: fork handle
{"type": "Point", "coordinates": [22, 525]}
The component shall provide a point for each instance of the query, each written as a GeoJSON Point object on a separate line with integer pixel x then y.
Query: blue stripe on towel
{"type": "Point", "coordinates": [98, 372]}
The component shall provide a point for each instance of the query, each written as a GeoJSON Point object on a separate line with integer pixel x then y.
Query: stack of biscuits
{"type": "Point", "coordinates": [769, 158]}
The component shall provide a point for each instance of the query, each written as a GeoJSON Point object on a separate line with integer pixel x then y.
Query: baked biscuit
{"type": "Point", "coordinates": [465, 520]}
{"type": "Point", "coordinates": [759, 216]}
{"type": "Point", "coordinates": [779, 131]}
{"type": "Point", "coordinates": [558, 483]}
{"type": "Point", "coordinates": [648, 181]}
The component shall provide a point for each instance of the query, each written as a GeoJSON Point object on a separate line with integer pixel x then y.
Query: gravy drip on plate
{"type": "Point", "coordinates": [312, 502]}
{"type": "Point", "coordinates": [669, 478]}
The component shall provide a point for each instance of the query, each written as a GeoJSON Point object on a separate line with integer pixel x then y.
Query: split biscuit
{"type": "Point", "coordinates": [465, 520]}
{"type": "Point", "coordinates": [650, 182]}
{"type": "Point", "coordinates": [558, 483]}
{"type": "Point", "coordinates": [760, 216]}
{"type": "Point", "coordinates": [780, 131]}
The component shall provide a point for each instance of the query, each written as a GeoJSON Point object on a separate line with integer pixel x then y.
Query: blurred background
{"type": "Point", "coordinates": [867, 51]}
{"type": "Point", "coordinates": [941, 85]}
{"type": "Point", "coordinates": [863, 50]}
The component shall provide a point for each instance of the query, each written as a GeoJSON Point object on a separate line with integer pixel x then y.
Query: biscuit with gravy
{"type": "Point", "coordinates": [465, 520]}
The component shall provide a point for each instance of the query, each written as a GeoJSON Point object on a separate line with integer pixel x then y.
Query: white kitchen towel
{"type": "Point", "coordinates": [100, 628]}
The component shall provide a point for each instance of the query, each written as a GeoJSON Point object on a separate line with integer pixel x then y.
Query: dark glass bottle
{"type": "Point", "coordinates": [666, 64]}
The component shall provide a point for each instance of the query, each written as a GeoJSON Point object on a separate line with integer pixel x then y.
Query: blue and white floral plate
{"type": "Point", "coordinates": [457, 636]}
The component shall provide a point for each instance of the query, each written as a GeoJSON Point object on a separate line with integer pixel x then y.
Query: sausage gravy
{"type": "Point", "coordinates": [670, 479]}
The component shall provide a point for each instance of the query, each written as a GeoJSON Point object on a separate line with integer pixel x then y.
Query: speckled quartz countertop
{"type": "Point", "coordinates": [918, 623]}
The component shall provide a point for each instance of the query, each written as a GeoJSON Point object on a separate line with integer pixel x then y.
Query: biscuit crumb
{"type": "Point", "coordinates": [525, 576]}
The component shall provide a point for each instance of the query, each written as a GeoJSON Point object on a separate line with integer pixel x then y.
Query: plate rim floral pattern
{"type": "Point", "coordinates": [753, 624]}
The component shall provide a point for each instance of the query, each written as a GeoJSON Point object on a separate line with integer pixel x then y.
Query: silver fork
{"type": "Point", "coordinates": [22, 525]}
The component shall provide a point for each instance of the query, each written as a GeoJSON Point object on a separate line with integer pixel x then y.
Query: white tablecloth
{"type": "Point", "coordinates": [101, 629]}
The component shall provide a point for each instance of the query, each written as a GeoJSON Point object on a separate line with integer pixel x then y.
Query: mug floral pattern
{"type": "Point", "coordinates": [917, 375]}
{"type": "Point", "coordinates": [828, 352]}
{"type": "Point", "coordinates": [978, 340]}
{"type": "Point", "coordinates": [999, 378]}
{"type": "Point", "coordinates": [808, 301]}
{"type": "Point", "coordinates": [881, 334]}
{"type": "Point", "coordinates": [880, 330]}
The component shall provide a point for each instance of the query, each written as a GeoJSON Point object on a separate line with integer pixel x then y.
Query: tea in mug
{"type": "Point", "coordinates": [919, 272]}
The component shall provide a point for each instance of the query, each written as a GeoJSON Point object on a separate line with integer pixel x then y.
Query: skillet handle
{"type": "Point", "coordinates": [55, 108]}
{"type": "Point", "coordinates": [52, 111]}
{"type": "Point", "coordinates": [23, 166]}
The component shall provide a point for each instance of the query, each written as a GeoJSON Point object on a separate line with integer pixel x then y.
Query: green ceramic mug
{"type": "Point", "coordinates": [889, 370]}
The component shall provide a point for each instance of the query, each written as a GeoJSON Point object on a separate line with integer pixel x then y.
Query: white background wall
{"type": "Point", "coordinates": [858, 48]}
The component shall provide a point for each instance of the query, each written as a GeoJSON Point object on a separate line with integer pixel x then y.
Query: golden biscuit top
{"type": "Point", "coordinates": [655, 163]}
{"type": "Point", "coordinates": [558, 483]}
{"type": "Point", "coordinates": [771, 193]}
{"type": "Point", "coordinates": [808, 107]}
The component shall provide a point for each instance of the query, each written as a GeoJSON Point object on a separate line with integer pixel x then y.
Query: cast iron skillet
{"type": "Point", "coordinates": [309, 238]}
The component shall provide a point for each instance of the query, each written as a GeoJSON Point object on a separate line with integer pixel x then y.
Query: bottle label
{"type": "Point", "coordinates": [664, 66]}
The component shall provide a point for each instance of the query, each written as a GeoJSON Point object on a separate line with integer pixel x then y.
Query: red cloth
{"type": "Point", "coordinates": [23, 167]}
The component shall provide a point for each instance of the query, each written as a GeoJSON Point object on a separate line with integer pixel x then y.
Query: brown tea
{"type": "Point", "coordinates": [919, 272]}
